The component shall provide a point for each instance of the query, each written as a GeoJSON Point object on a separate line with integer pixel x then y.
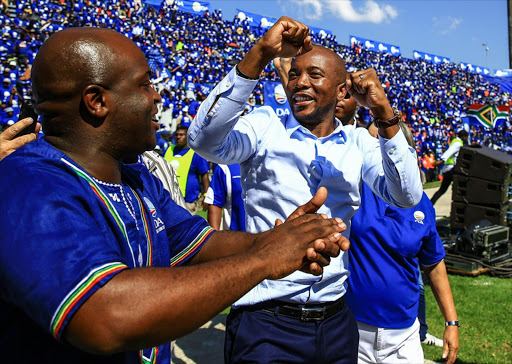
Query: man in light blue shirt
{"type": "Point", "coordinates": [302, 318]}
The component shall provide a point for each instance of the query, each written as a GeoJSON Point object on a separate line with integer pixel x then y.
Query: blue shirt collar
{"type": "Point", "coordinates": [296, 131]}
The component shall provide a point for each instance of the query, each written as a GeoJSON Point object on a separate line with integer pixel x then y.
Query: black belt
{"type": "Point", "coordinates": [316, 312]}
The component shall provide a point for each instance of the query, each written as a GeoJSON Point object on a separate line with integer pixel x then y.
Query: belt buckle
{"type": "Point", "coordinates": [306, 314]}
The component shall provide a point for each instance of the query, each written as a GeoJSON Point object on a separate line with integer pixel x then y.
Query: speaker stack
{"type": "Point", "coordinates": [481, 188]}
{"type": "Point", "coordinates": [481, 203]}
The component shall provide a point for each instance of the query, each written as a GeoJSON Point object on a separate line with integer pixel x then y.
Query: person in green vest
{"type": "Point", "coordinates": [449, 158]}
{"type": "Point", "coordinates": [191, 169]}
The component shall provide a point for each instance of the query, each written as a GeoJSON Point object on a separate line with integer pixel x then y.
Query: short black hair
{"type": "Point", "coordinates": [462, 134]}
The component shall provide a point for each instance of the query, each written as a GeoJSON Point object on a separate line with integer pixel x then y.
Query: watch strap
{"type": "Point", "coordinates": [383, 123]}
{"type": "Point", "coordinates": [452, 323]}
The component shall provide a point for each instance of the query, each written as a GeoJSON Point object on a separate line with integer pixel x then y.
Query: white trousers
{"type": "Point", "coordinates": [379, 345]}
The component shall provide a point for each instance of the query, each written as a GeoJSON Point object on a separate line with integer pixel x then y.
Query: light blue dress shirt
{"type": "Point", "coordinates": [283, 164]}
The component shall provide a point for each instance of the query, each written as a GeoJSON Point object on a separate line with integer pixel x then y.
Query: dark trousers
{"type": "Point", "coordinates": [256, 336]}
{"type": "Point", "coordinates": [447, 181]}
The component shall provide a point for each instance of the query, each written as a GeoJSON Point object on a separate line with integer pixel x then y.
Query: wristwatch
{"type": "Point", "coordinates": [452, 323]}
{"type": "Point", "coordinates": [382, 123]}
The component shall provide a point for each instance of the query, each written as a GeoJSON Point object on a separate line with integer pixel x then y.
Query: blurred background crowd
{"type": "Point", "coordinates": [189, 54]}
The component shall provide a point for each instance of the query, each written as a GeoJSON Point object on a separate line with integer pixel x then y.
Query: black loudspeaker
{"type": "Point", "coordinates": [464, 214]}
{"type": "Point", "coordinates": [481, 184]}
{"type": "Point", "coordinates": [483, 240]}
{"type": "Point", "coordinates": [484, 163]}
{"type": "Point", "coordinates": [479, 191]}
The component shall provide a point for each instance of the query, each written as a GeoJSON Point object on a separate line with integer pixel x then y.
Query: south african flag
{"type": "Point", "coordinates": [490, 116]}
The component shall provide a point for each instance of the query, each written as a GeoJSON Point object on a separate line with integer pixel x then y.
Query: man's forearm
{"type": "Point", "coordinates": [205, 181]}
{"type": "Point", "coordinates": [442, 291]}
{"type": "Point", "coordinates": [214, 216]}
{"type": "Point", "coordinates": [222, 244]}
{"type": "Point", "coordinates": [255, 61]}
{"type": "Point", "coordinates": [443, 294]}
{"type": "Point", "coordinates": [145, 307]}
{"type": "Point", "coordinates": [282, 66]}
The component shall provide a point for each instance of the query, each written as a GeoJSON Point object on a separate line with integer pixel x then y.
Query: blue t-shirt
{"type": "Point", "coordinates": [226, 191]}
{"type": "Point", "coordinates": [386, 243]}
{"type": "Point", "coordinates": [66, 234]}
{"type": "Point", "coordinates": [186, 121]}
{"type": "Point", "coordinates": [181, 62]}
{"type": "Point", "coordinates": [178, 76]}
{"type": "Point", "coordinates": [190, 85]}
{"type": "Point", "coordinates": [203, 89]}
{"type": "Point", "coordinates": [192, 108]}
{"type": "Point", "coordinates": [5, 93]}
{"type": "Point", "coordinates": [7, 120]}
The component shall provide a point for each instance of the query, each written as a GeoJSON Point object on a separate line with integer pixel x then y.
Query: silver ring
{"type": "Point", "coordinates": [360, 77]}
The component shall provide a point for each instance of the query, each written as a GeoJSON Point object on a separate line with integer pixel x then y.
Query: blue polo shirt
{"type": "Point", "coordinates": [386, 243]}
{"type": "Point", "coordinates": [226, 191]}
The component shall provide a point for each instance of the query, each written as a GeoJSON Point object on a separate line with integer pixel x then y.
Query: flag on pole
{"type": "Point", "coordinates": [490, 116]}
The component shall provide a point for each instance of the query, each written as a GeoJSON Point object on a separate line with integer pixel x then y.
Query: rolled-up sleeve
{"type": "Point", "coordinates": [217, 117]}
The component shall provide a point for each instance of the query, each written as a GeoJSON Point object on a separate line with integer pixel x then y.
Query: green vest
{"type": "Point", "coordinates": [181, 165]}
{"type": "Point", "coordinates": [451, 160]}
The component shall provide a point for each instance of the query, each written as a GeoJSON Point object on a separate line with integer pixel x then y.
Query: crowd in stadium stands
{"type": "Point", "coordinates": [190, 53]}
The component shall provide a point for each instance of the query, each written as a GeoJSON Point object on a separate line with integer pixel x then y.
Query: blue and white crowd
{"type": "Point", "coordinates": [190, 53]}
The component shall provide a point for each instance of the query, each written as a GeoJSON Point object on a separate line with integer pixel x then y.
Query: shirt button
{"type": "Point", "coordinates": [391, 151]}
{"type": "Point", "coordinates": [228, 84]}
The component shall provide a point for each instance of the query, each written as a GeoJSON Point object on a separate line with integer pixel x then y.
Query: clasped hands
{"type": "Point", "coordinates": [320, 251]}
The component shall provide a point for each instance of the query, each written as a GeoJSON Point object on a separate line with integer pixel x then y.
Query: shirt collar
{"type": "Point", "coordinates": [296, 131]}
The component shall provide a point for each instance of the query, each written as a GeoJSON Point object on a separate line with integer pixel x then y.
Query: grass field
{"type": "Point", "coordinates": [435, 184]}
{"type": "Point", "coordinates": [202, 214]}
{"type": "Point", "coordinates": [484, 307]}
